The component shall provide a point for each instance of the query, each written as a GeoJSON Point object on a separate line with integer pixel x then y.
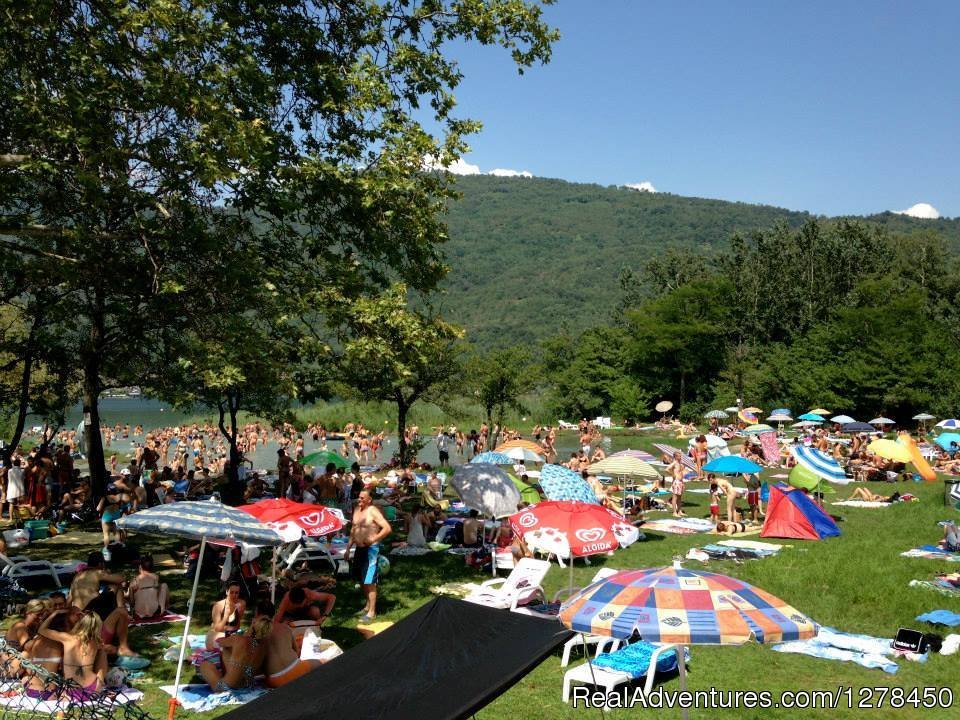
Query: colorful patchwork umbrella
{"type": "Point", "coordinates": [686, 607]}
{"type": "Point", "coordinates": [492, 458]}
{"type": "Point", "coordinates": [624, 465]}
{"type": "Point", "coordinates": [747, 417]}
{"type": "Point", "coordinates": [820, 464]}
{"type": "Point", "coordinates": [321, 458]}
{"type": "Point", "coordinates": [292, 519]}
{"type": "Point", "coordinates": [560, 483]}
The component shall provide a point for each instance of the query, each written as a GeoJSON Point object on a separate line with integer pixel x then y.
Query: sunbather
{"type": "Point", "coordinates": [283, 663]}
{"type": "Point", "coordinates": [862, 493]}
{"type": "Point", "coordinates": [951, 537]}
{"type": "Point", "coordinates": [84, 660]}
{"type": "Point", "coordinates": [243, 657]}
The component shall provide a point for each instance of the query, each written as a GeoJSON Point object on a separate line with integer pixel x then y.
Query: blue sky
{"type": "Point", "coordinates": [832, 107]}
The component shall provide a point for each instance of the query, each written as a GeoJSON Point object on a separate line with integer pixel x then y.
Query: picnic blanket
{"type": "Point", "coordinates": [16, 700]}
{"type": "Point", "coordinates": [167, 617]}
{"type": "Point", "coordinates": [200, 698]}
{"type": "Point", "coordinates": [678, 526]}
{"type": "Point", "coordinates": [941, 586]}
{"type": "Point", "coordinates": [931, 552]}
{"type": "Point", "coordinates": [940, 617]}
{"type": "Point", "coordinates": [830, 644]}
{"type": "Point", "coordinates": [862, 503]}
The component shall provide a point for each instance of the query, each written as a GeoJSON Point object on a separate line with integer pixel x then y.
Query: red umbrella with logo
{"type": "Point", "coordinates": [290, 518]}
{"type": "Point", "coordinates": [569, 528]}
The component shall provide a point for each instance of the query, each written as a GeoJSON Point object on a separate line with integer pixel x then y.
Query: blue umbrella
{"type": "Point", "coordinates": [781, 411]}
{"type": "Point", "coordinates": [493, 458]}
{"type": "Point", "coordinates": [857, 427]}
{"type": "Point", "coordinates": [732, 465]}
{"type": "Point", "coordinates": [813, 417]}
{"type": "Point", "coordinates": [560, 483]}
{"type": "Point", "coordinates": [945, 439]}
{"type": "Point", "coordinates": [821, 464]}
{"type": "Point", "coordinates": [199, 521]}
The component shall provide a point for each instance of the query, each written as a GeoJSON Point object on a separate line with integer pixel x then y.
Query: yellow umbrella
{"type": "Point", "coordinates": [820, 411]}
{"type": "Point", "coordinates": [526, 444]}
{"type": "Point", "coordinates": [753, 409]}
{"type": "Point", "coordinates": [624, 465]}
{"type": "Point", "coordinates": [891, 450]}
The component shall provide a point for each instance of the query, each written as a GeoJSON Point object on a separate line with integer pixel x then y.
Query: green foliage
{"type": "Point", "coordinates": [498, 380]}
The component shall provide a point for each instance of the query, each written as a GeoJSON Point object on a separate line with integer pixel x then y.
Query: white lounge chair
{"type": "Point", "coordinates": [311, 551]}
{"type": "Point", "coordinates": [581, 639]}
{"type": "Point", "coordinates": [521, 586]}
{"type": "Point", "coordinates": [20, 567]}
{"type": "Point", "coordinates": [608, 678]}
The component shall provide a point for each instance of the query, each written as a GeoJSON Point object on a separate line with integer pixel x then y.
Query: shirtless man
{"type": "Point", "coordinates": [85, 594]}
{"type": "Point", "coordinates": [283, 472]}
{"type": "Point", "coordinates": [730, 493]}
{"type": "Point", "coordinates": [301, 604]}
{"type": "Point", "coordinates": [283, 663]}
{"type": "Point", "coordinates": [370, 527]}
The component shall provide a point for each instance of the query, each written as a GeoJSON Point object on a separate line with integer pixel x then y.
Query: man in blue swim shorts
{"type": "Point", "coordinates": [370, 527]}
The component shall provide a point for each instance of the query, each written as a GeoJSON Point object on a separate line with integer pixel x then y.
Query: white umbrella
{"type": "Point", "coordinates": [842, 419]}
{"type": "Point", "coordinates": [949, 424]}
{"type": "Point", "coordinates": [779, 417]}
{"type": "Point", "coordinates": [882, 421]}
{"type": "Point", "coordinates": [924, 417]}
{"type": "Point", "coordinates": [733, 409]}
{"type": "Point", "coordinates": [522, 453]}
{"type": "Point", "coordinates": [805, 424]}
{"type": "Point", "coordinates": [210, 520]}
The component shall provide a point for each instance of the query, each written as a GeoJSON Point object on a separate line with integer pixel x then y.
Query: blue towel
{"type": "Point", "coordinates": [830, 644]}
{"type": "Point", "coordinates": [940, 617]}
{"type": "Point", "coordinates": [635, 659]}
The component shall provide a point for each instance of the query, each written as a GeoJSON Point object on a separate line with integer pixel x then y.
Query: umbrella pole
{"type": "Point", "coordinates": [682, 657]}
{"type": "Point", "coordinates": [571, 573]}
{"type": "Point", "coordinates": [586, 652]}
{"type": "Point", "coordinates": [273, 576]}
{"type": "Point", "coordinates": [173, 702]}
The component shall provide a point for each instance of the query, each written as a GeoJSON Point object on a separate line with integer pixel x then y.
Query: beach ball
{"type": "Point", "coordinates": [383, 565]}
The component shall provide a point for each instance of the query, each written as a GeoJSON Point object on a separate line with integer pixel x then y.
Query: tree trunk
{"type": "Point", "coordinates": [233, 491]}
{"type": "Point", "coordinates": [91, 401]}
{"type": "Point", "coordinates": [23, 405]}
{"type": "Point", "coordinates": [402, 409]}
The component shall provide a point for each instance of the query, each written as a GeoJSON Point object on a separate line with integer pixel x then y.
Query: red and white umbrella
{"type": "Point", "coordinates": [291, 519]}
{"type": "Point", "coordinates": [569, 528]}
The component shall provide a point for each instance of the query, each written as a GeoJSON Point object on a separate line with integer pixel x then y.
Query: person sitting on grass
{"type": "Point", "coordinates": [243, 658]}
{"type": "Point", "coordinates": [282, 664]}
{"type": "Point", "coordinates": [301, 604]}
{"type": "Point", "coordinates": [951, 537]}
{"type": "Point", "coordinates": [84, 659]}
{"type": "Point", "coordinates": [226, 615]}
{"type": "Point", "coordinates": [146, 594]}
{"type": "Point", "coordinates": [86, 594]}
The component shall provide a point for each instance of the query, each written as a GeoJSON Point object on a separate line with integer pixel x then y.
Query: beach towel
{"type": "Point", "coordinates": [13, 699]}
{"type": "Point", "coordinates": [200, 698]}
{"type": "Point", "coordinates": [746, 533]}
{"type": "Point", "coordinates": [167, 617]}
{"type": "Point", "coordinates": [679, 526]}
{"type": "Point", "coordinates": [941, 586]}
{"type": "Point", "coordinates": [940, 617]}
{"type": "Point", "coordinates": [634, 660]}
{"type": "Point", "coordinates": [771, 449]}
{"type": "Point", "coordinates": [751, 545]}
{"type": "Point", "coordinates": [862, 503]}
{"type": "Point", "coordinates": [831, 644]}
{"type": "Point", "coordinates": [931, 552]}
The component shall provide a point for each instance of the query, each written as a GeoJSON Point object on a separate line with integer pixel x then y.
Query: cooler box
{"type": "Point", "coordinates": [38, 529]}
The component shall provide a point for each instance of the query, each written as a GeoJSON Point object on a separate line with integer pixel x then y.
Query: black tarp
{"type": "Point", "coordinates": [446, 660]}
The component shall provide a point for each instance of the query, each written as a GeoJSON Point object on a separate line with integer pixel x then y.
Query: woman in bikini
{"type": "Point", "coordinates": [145, 593]}
{"type": "Point", "coordinates": [48, 654]}
{"type": "Point", "coordinates": [227, 616]}
{"type": "Point", "coordinates": [84, 661]}
{"type": "Point", "coordinates": [243, 657]}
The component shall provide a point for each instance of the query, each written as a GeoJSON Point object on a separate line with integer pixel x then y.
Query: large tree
{"type": "Point", "coordinates": [138, 139]}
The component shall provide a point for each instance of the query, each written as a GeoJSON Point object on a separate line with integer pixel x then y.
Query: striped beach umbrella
{"type": "Point", "coordinates": [492, 458]}
{"type": "Point", "coordinates": [626, 466]}
{"type": "Point", "coordinates": [528, 444]}
{"type": "Point", "coordinates": [639, 454]}
{"type": "Point", "coordinates": [820, 464]}
{"type": "Point", "coordinates": [560, 483]}
{"type": "Point", "coordinates": [757, 429]}
{"type": "Point", "coordinates": [686, 607]}
{"type": "Point", "coordinates": [718, 414]}
{"type": "Point", "coordinates": [669, 451]}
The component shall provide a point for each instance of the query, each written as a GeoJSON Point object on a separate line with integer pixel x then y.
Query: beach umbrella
{"type": "Point", "coordinates": [820, 464]}
{"type": "Point", "coordinates": [733, 409]}
{"type": "Point", "coordinates": [812, 417]}
{"type": "Point", "coordinates": [204, 521]}
{"type": "Point", "coordinates": [757, 429]}
{"type": "Point", "coordinates": [732, 465]}
{"type": "Point", "coordinates": [669, 451]}
{"type": "Point", "coordinates": [522, 453]}
{"type": "Point", "coordinates": [528, 444]}
{"type": "Point", "coordinates": [528, 492]}
{"type": "Point", "coordinates": [944, 440]}
{"type": "Point", "coordinates": [923, 417]}
{"type": "Point", "coordinates": [486, 488]}
{"type": "Point", "coordinates": [321, 458]}
{"type": "Point", "coordinates": [805, 424]}
{"type": "Point", "coordinates": [685, 607]}
{"type": "Point", "coordinates": [492, 458]}
{"type": "Point", "coordinates": [747, 417]}
{"type": "Point", "coordinates": [891, 450]}
{"type": "Point", "coordinates": [624, 465]}
{"type": "Point", "coordinates": [718, 414]}
{"type": "Point", "coordinates": [753, 409]}
{"type": "Point", "coordinates": [803, 478]}
{"type": "Point", "coordinates": [882, 421]}
{"type": "Point", "coordinates": [639, 454]}
{"type": "Point", "coordinates": [780, 417]}
{"type": "Point", "coordinates": [714, 442]}
{"type": "Point", "coordinates": [664, 406]}
{"type": "Point", "coordinates": [781, 411]}
{"type": "Point", "coordinates": [560, 483]}
{"type": "Point", "coordinates": [842, 419]}
{"type": "Point", "coordinates": [291, 519]}
{"type": "Point", "coordinates": [949, 424]}
{"type": "Point", "coordinates": [820, 411]}
{"type": "Point", "coordinates": [572, 529]}
{"type": "Point", "coordinates": [857, 427]}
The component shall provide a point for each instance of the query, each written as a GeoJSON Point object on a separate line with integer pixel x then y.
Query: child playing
{"type": "Point", "coordinates": [714, 499]}
{"type": "Point", "coordinates": [753, 496]}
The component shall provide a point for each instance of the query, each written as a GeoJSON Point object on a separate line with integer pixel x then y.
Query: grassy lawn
{"type": "Point", "coordinates": [856, 583]}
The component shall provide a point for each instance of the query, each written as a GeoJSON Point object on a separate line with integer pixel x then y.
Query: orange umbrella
{"type": "Point", "coordinates": [526, 444]}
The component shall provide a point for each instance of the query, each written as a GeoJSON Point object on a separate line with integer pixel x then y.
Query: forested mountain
{"type": "Point", "coordinates": [532, 257]}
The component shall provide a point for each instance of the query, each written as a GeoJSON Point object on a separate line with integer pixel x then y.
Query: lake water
{"type": "Point", "coordinates": [153, 414]}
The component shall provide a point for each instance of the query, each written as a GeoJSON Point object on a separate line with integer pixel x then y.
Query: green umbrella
{"type": "Point", "coordinates": [323, 457]}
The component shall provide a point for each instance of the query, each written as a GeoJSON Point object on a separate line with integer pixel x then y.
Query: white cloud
{"type": "Point", "coordinates": [920, 210]}
{"type": "Point", "coordinates": [645, 186]}
{"type": "Point", "coordinates": [502, 172]}
{"type": "Point", "coordinates": [458, 167]}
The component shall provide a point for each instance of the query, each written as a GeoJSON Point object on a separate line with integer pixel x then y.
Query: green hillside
{"type": "Point", "coordinates": [529, 257]}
